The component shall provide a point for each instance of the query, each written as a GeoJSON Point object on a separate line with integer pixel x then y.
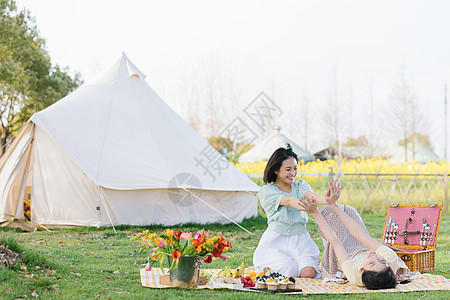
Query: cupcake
{"type": "Point", "coordinates": [282, 285]}
{"type": "Point", "coordinates": [272, 284]}
{"type": "Point", "coordinates": [261, 283]}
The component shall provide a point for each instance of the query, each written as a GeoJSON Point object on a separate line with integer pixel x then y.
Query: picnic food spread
{"type": "Point", "coordinates": [274, 281]}
{"type": "Point", "coordinates": [263, 281]}
{"type": "Point", "coordinates": [236, 277]}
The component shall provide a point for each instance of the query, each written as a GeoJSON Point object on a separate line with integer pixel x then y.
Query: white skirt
{"type": "Point", "coordinates": [286, 255]}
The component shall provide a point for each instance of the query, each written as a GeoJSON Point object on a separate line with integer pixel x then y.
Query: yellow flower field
{"type": "Point", "coordinates": [374, 165]}
{"type": "Point", "coordinates": [372, 184]}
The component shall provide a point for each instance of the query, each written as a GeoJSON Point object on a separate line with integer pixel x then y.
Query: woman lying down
{"type": "Point", "coordinates": [349, 248]}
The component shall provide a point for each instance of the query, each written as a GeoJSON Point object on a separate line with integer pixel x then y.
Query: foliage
{"type": "Point", "coordinates": [226, 146]}
{"type": "Point", "coordinates": [173, 244]}
{"type": "Point", "coordinates": [28, 81]}
{"type": "Point", "coordinates": [222, 143]}
{"type": "Point", "coordinates": [233, 157]}
{"type": "Point", "coordinates": [424, 139]}
{"type": "Point", "coordinates": [361, 141]}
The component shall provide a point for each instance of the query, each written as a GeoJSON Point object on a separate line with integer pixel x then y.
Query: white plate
{"type": "Point", "coordinates": [236, 286]}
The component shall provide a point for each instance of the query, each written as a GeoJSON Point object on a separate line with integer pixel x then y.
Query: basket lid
{"type": "Point", "coordinates": [412, 224]}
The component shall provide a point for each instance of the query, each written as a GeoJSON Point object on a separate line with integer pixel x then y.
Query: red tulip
{"type": "Point", "coordinates": [176, 254]}
{"type": "Point", "coordinates": [177, 234]}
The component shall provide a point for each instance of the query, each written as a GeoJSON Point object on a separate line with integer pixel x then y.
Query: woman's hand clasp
{"type": "Point", "coordinates": [309, 205]}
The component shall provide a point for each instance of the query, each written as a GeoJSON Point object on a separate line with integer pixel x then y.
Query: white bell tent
{"type": "Point", "coordinates": [264, 149]}
{"type": "Point", "coordinates": [113, 152]}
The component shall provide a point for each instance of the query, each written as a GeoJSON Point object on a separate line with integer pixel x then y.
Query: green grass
{"type": "Point", "coordinates": [94, 263]}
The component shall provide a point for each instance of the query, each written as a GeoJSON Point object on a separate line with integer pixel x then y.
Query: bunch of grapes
{"type": "Point", "coordinates": [247, 281]}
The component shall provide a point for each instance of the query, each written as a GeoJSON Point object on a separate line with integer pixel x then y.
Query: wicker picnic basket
{"type": "Point", "coordinates": [413, 229]}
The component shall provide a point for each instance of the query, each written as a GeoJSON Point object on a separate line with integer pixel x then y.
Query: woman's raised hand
{"type": "Point", "coordinates": [333, 193]}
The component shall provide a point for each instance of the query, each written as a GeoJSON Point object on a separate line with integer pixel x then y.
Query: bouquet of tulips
{"type": "Point", "coordinates": [174, 244]}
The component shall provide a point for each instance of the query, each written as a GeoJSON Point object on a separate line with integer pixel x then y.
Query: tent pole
{"type": "Point", "coordinates": [100, 192]}
{"type": "Point", "coordinates": [216, 209]}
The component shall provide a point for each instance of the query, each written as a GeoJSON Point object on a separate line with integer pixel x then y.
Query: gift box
{"type": "Point", "coordinates": [413, 230]}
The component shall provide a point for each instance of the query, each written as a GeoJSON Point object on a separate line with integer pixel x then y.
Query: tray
{"type": "Point", "coordinates": [235, 286]}
{"type": "Point", "coordinates": [277, 291]}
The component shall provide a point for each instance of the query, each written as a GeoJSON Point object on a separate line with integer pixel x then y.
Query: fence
{"type": "Point", "coordinates": [374, 192]}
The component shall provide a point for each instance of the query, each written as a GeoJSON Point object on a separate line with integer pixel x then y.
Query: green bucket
{"type": "Point", "coordinates": [187, 274]}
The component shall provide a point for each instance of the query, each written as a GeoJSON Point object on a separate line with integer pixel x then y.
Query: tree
{"type": "Point", "coordinates": [370, 117]}
{"type": "Point", "coordinates": [417, 137]}
{"type": "Point", "coordinates": [306, 120]}
{"type": "Point", "coordinates": [210, 96]}
{"type": "Point", "coordinates": [359, 142]}
{"type": "Point", "coordinates": [332, 114]}
{"type": "Point", "coordinates": [28, 81]}
{"type": "Point", "coordinates": [405, 117]}
{"type": "Point", "coordinates": [222, 143]}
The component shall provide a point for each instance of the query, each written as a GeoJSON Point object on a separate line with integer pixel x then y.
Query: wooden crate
{"type": "Point", "coordinates": [413, 229]}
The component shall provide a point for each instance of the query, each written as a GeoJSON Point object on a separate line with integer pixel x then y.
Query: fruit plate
{"type": "Point", "coordinates": [277, 291]}
{"type": "Point", "coordinates": [235, 286]}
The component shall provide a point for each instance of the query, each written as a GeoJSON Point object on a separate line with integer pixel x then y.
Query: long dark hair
{"type": "Point", "coordinates": [379, 280]}
{"type": "Point", "coordinates": [275, 162]}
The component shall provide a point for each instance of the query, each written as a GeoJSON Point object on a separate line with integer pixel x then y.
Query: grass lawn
{"type": "Point", "coordinates": [96, 263]}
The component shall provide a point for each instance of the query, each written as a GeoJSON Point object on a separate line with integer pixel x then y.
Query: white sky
{"type": "Point", "coordinates": [286, 48]}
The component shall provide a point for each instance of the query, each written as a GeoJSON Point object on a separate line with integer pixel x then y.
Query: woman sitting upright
{"type": "Point", "coordinates": [286, 247]}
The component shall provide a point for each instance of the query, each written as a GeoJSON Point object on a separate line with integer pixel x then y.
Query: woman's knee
{"type": "Point", "coordinates": [307, 272]}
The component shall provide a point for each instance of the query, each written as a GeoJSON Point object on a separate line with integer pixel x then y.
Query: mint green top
{"type": "Point", "coordinates": [283, 219]}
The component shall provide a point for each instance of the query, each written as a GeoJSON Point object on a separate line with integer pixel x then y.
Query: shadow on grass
{"type": "Point", "coordinates": [254, 223]}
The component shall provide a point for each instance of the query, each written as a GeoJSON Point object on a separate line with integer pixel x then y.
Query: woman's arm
{"type": "Point", "coordinates": [319, 199]}
{"type": "Point", "coordinates": [310, 206]}
{"type": "Point", "coordinates": [291, 201]}
{"type": "Point", "coordinates": [353, 227]}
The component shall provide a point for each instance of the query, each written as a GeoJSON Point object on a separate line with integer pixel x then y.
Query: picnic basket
{"type": "Point", "coordinates": [413, 229]}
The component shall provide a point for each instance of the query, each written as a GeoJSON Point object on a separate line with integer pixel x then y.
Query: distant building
{"type": "Point", "coordinates": [326, 154]}
{"type": "Point", "coordinates": [350, 152]}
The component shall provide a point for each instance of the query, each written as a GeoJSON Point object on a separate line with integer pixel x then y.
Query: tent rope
{"type": "Point", "coordinates": [100, 192]}
{"type": "Point", "coordinates": [44, 227]}
{"type": "Point", "coordinates": [216, 210]}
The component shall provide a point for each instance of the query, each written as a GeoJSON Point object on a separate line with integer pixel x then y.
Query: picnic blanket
{"type": "Point", "coordinates": [318, 286]}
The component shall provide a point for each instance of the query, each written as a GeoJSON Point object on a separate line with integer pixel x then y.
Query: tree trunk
{"type": "Point", "coordinates": [2, 146]}
{"type": "Point", "coordinates": [4, 140]}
